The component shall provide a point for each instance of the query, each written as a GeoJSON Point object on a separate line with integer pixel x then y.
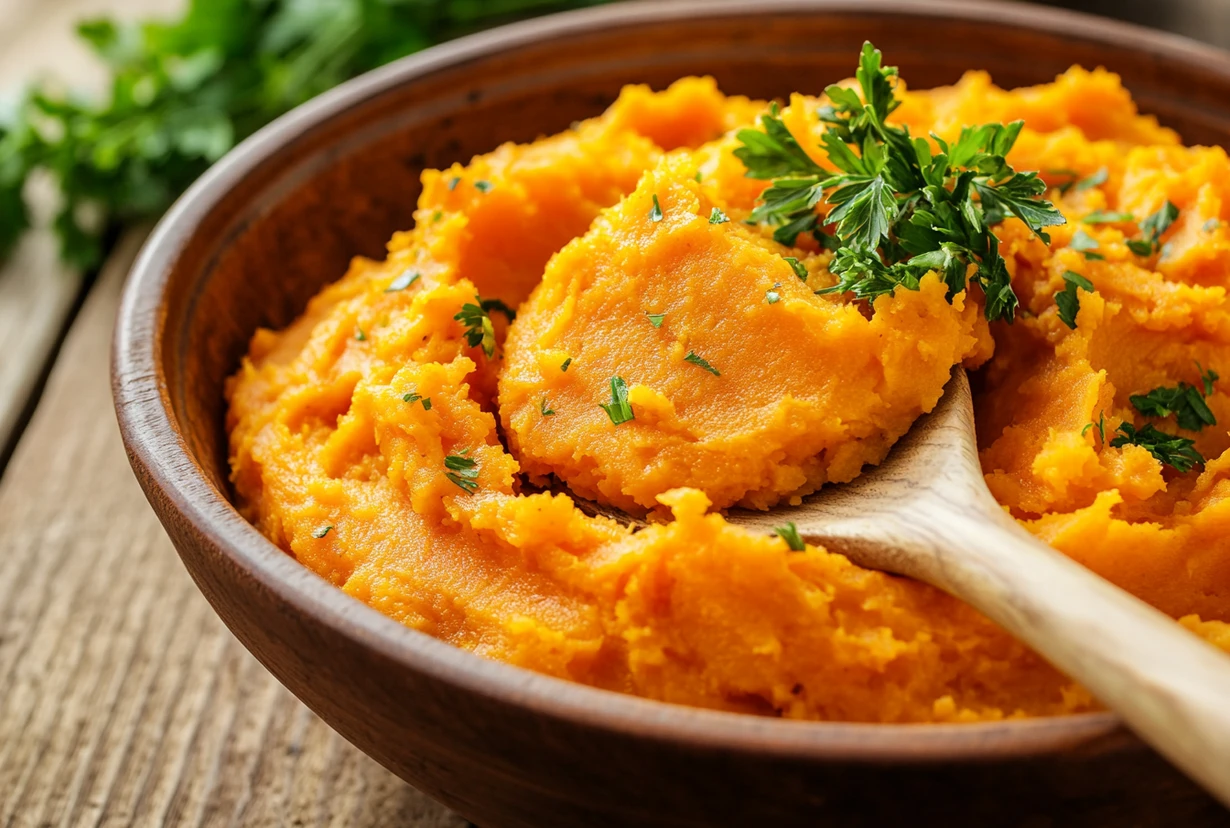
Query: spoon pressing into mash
{"type": "Point", "coordinates": [925, 512]}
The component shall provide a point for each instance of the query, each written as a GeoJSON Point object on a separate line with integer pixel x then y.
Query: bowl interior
{"type": "Point", "coordinates": [282, 216]}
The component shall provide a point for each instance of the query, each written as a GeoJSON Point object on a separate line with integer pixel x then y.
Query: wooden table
{"type": "Point", "coordinates": [123, 699]}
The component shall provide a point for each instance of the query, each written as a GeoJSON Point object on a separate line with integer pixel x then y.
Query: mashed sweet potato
{"type": "Point", "coordinates": [393, 448]}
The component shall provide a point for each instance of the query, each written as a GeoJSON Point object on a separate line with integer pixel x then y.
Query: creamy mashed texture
{"type": "Point", "coordinates": [394, 437]}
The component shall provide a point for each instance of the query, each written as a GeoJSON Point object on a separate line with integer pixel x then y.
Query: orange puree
{"type": "Point", "coordinates": [389, 452]}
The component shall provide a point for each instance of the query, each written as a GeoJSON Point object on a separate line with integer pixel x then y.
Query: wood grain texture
{"type": "Point", "coordinates": [37, 292]}
{"type": "Point", "coordinates": [926, 512]}
{"type": "Point", "coordinates": [123, 699]}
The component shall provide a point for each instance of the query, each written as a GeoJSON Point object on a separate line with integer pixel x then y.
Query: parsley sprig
{"type": "Point", "coordinates": [182, 92]}
{"type": "Point", "coordinates": [1184, 402]}
{"type": "Point", "coordinates": [618, 409]}
{"type": "Point", "coordinates": [475, 317]}
{"type": "Point", "coordinates": [462, 470]}
{"type": "Point", "coordinates": [898, 209]}
{"type": "Point", "coordinates": [1178, 452]}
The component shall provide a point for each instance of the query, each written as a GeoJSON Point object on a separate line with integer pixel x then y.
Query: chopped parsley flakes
{"type": "Point", "coordinates": [320, 532]}
{"type": "Point", "coordinates": [693, 358]}
{"type": "Point", "coordinates": [655, 319]}
{"type": "Point", "coordinates": [462, 470]}
{"type": "Point", "coordinates": [1067, 300]}
{"type": "Point", "coordinates": [655, 212]}
{"type": "Point", "coordinates": [716, 216]}
{"type": "Point", "coordinates": [618, 409]}
{"type": "Point", "coordinates": [403, 281]}
{"type": "Point", "coordinates": [790, 534]}
{"type": "Point", "coordinates": [1177, 452]}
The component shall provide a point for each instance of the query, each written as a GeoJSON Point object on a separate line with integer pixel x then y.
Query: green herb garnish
{"type": "Point", "coordinates": [1185, 402]}
{"type": "Point", "coordinates": [1105, 217]}
{"type": "Point", "coordinates": [1168, 449]}
{"type": "Point", "coordinates": [898, 210]}
{"type": "Point", "coordinates": [360, 335]}
{"type": "Point", "coordinates": [412, 397]}
{"type": "Point", "coordinates": [1067, 300]}
{"type": "Point", "coordinates": [545, 408]}
{"type": "Point", "coordinates": [655, 319]}
{"type": "Point", "coordinates": [1152, 229]}
{"type": "Point", "coordinates": [479, 330]}
{"type": "Point", "coordinates": [489, 305]}
{"type": "Point", "coordinates": [790, 534]}
{"type": "Point", "coordinates": [482, 186]}
{"type": "Point", "coordinates": [427, 403]}
{"type": "Point", "coordinates": [618, 409]}
{"type": "Point", "coordinates": [716, 216]}
{"type": "Point", "coordinates": [564, 365]}
{"type": "Point", "coordinates": [1100, 425]}
{"type": "Point", "coordinates": [321, 531]}
{"type": "Point", "coordinates": [453, 182]}
{"type": "Point", "coordinates": [1086, 244]}
{"type": "Point", "coordinates": [462, 470]}
{"type": "Point", "coordinates": [693, 358]}
{"type": "Point", "coordinates": [1095, 180]}
{"type": "Point", "coordinates": [403, 281]}
{"type": "Point", "coordinates": [1211, 225]}
{"type": "Point", "coordinates": [772, 296]}
{"type": "Point", "coordinates": [655, 212]}
{"type": "Point", "coordinates": [797, 267]}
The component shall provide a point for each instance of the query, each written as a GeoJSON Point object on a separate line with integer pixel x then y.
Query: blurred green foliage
{"type": "Point", "coordinates": [183, 93]}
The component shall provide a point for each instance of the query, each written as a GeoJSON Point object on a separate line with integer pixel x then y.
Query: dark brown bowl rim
{"type": "Point", "coordinates": [144, 411]}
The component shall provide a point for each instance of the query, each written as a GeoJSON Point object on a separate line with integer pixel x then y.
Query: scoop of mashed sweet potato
{"type": "Point", "coordinates": [342, 427]}
{"type": "Point", "coordinates": [744, 384]}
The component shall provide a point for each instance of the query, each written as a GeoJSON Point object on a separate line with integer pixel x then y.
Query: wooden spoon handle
{"type": "Point", "coordinates": [1172, 688]}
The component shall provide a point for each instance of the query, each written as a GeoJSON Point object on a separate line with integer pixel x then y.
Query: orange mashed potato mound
{"type": "Point", "coordinates": [400, 459]}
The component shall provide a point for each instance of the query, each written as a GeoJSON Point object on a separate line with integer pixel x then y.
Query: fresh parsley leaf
{"type": "Point", "coordinates": [1207, 378]}
{"type": "Point", "coordinates": [545, 408]}
{"type": "Point", "coordinates": [695, 359]}
{"type": "Point", "coordinates": [1152, 229]}
{"type": "Point", "coordinates": [482, 186]}
{"type": "Point", "coordinates": [321, 531]}
{"type": "Point", "coordinates": [773, 152]}
{"type": "Point", "coordinates": [1185, 402]}
{"type": "Point", "coordinates": [655, 212]}
{"type": "Point", "coordinates": [898, 209]}
{"type": "Point", "coordinates": [1107, 217]}
{"type": "Point", "coordinates": [411, 397]}
{"type": "Point", "coordinates": [618, 409]}
{"type": "Point", "coordinates": [403, 281]}
{"type": "Point", "coordinates": [462, 471]}
{"type": "Point", "coordinates": [490, 305]}
{"type": "Point", "coordinates": [1170, 450]}
{"type": "Point", "coordinates": [427, 403]}
{"type": "Point", "coordinates": [564, 365]}
{"type": "Point", "coordinates": [790, 534]}
{"type": "Point", "coordinates": [1067, 300]}
{"type": "Point", "coordinates": [1100, 425]}
{"type": "Point", "coordinates": [1086, 244]}
{"type": "Point", "coordinates": [479, 330]}
{"type": "Point", "coordinates": [1095, 180]}
{"type": "Point", "coordinates": [716, 216]}
{"type": "Point", "coordinates": [177, 94]}
{"type": "Point", "coordinates": [797, 267]}
{"type": "Point", "coordinates": [655, 319]}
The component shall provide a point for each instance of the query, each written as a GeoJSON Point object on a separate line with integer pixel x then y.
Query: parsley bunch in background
{"type": "Point", "coordinates": [183, 93]}
{"type": "Point", "coordinates": [898, 209]}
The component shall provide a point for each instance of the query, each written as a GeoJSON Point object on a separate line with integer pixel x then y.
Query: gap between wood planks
{"type": "Point", "coordinates": [123, 699]}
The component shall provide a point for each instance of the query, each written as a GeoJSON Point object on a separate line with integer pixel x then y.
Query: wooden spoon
{"type": "Point", "coordinates": [925, 512]}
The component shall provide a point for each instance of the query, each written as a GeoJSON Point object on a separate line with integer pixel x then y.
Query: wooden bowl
{"type": "Point", "coordinates": [281, 216]}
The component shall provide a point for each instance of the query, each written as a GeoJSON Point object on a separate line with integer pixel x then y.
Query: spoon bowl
{"type": "Point", "coordinates": [925, 512]}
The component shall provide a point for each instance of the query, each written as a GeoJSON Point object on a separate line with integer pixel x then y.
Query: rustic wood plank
{"type": "Point", "coordinates": [37, 292]}
{"type": "Point", "coordinates": [123, 699]}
